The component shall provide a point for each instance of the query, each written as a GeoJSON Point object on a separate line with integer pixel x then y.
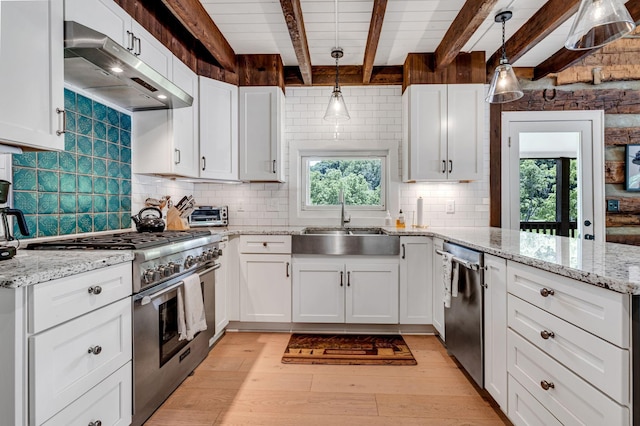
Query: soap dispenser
{"type": "Point", "coordinates": [388, 221]}
{"type": "Point", "coordinates": [400, 220]}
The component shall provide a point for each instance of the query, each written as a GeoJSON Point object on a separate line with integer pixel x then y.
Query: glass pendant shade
{"type": "Point", "coordinates": [337, 109]}
{"type": "Point", "coordinates": [599, 22]}
{"type": "Point", "coordinates": [504, 85]}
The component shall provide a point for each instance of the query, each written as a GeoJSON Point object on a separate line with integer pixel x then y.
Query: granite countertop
{"type": "Point", "coordinates": [611, 266]}
{"type": "Point", "coordinates": [30, 267]}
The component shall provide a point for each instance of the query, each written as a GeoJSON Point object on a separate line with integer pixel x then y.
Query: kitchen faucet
{"type": "Point", "coordinates": [343, 220]}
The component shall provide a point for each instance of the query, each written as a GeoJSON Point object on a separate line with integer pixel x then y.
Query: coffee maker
{"type": "Point", "coordinates": [7, 252]}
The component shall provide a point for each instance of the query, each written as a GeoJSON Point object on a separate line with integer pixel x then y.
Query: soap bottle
{"type": "Point", "coordinates": [400, 220]}
{"type": "Point", "coordinates": [388, 221]}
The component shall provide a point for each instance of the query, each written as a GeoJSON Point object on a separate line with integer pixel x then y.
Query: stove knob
{"type": "Point", "coordinates": [147, 276]}
{"type": "Point", "coordinates": [202, 258]}
{"type": "Point", "coordinates": [175, 268]}
{"type": "Point", "coordinates": [188, 262]}
{"type": "Point", "coordinates": [157, 275]}
{"type": "Point", "coordinates": [210, 254]}
{"type": "Point", "coordinates": [165, 270]}
{"type": "Point", "coordinates": [219, 252]}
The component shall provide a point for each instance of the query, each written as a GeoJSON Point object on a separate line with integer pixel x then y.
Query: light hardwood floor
{"type": "Point", "coordinates": [243, 382]}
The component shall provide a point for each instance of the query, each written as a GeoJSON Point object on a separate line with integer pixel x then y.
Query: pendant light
{"type": "Point", "coordinates": [337, 109]}
{"type": "Point", "coordinates": [599, 22]}
{"type": "Point", "coordinates": [504, 84]}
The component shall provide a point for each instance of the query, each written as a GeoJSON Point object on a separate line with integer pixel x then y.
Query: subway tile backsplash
{"type": "Point", "coordinates": [85, 188]}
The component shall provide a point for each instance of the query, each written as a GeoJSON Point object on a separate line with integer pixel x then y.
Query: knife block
{"type": "Point", "coordinates": [175, 222]}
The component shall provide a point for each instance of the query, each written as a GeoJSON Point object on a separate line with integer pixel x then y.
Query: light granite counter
{"type": "Point", "coordinates": [30, 267]}
{"type": "Point", "coordinates": [612, 266]}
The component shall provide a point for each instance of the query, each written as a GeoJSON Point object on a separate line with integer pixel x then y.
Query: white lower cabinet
{"type": "Point", "coordinates": [416, 280]}
{"type": "Point", "coordinates": [524, 409]}
{"type": "Point", "coordinates": [495, 329]}
{"type": "Point", "coordinates": [109, 403]}
{"type": "Point", "coordinates": [336, 290]}
{"type": "Point", "coordinates": [438, 289]}
{"type": "Point", "coordinates": [67, 361]}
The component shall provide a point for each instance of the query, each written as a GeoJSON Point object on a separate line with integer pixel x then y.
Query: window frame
{"type": "Point", "coordinates": [307, 157]}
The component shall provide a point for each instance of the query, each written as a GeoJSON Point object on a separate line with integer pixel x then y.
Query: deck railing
{"type": "Point", "coordinates": [548, 228]}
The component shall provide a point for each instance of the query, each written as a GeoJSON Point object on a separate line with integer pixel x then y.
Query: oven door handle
{"type": "Point", "coordinates": [148, 298]}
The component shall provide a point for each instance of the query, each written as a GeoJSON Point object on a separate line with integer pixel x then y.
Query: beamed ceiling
{"type": "Point", "coordinates": [381, 33]}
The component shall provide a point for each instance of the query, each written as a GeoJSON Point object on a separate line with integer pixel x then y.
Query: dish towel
{"type": "Point", "coordinates": [191, 317]}
{"type": "Point", "coordinates": [447, 269]}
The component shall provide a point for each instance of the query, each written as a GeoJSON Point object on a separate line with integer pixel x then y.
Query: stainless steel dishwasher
{"type": "Point", "coordinates": [463, 321]}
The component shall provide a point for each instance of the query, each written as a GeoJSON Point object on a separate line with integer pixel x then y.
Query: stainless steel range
{"type": "Point", "coordinates": [162, 260]}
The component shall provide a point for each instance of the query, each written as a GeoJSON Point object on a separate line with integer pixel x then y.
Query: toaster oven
{"type": "Point", "coordinates": [209, 216]}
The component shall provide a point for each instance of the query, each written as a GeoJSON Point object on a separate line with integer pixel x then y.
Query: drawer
{"type": "Point", "coordinates": [598, 362]}
{"type": "Point", "coordinates": [602, 312]}
{"type": "Point", "coordinates": [524, 409]}
{"type": "Point", "coordinates": [569, 398]}
{"type": "Point", "coordinates": [57, 301]}
{"type": "Point", "coordinates": [109, 402]}
{"type": "Point", "coordinates": [272, 244]}
{"type": "Point", "coordinates": [61, 367]}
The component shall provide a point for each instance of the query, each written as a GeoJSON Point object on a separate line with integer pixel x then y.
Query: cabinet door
{"type": "Point", "coordinates": [416, 280]}
{"type": "Point", "coordinates": [495, 329]}
{"type": "Point", "coordinates": [68, 360]}
{"type": "Point", "coordinates": [31, 73]}
{"type": "Point", "coordinates": [218, 130]}
{"type": "Point", "coordinates": [372, 293]}
{"type": "Point", "coordinates": [265, 288]}
{"type": "Point", "coordinates": [104, 16]}
{"type": "Point", "coordinates": [185, 122]}
{"type": "Point", "coordinates": [465, 130]}
{"type": "Point", "coordinates": [425, 142]}
{"type": "Point", "coordinates": [221, 275]}
{"type": "Point", "coordinates": [438, 289]}
{"type": "Point", "coordinates": [152, 52]}
{"type": "Point", "coordinates": [318, 292]}
{"type": "Point", "coordinates": [261, 117]}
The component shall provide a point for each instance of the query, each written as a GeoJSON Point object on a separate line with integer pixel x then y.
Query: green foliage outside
{"type": "Point", "coordinates": [360, 180]}
{"type": "Point", "coordinates": [538, 190]}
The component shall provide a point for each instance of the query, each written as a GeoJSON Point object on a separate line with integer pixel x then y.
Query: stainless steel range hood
{"type": "Point", "coordinates": [98, 65]}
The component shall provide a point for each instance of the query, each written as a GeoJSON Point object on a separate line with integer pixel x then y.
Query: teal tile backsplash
{"type": "Point", "coordinates": [85, 188]}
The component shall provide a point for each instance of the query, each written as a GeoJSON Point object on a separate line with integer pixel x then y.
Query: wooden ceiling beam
{"type": "Point", "coordinates": [472, 14]}
{"type": "Point", "coordinates": [197, 21]}
{"type": "Point", "coordinates": [540, 25]}
{"type": "Point", "coordinates": [295, 23]}
{"type": "Point", "coordinates": [377, 17]}
{"type": "Point", "coordinates": [564, 58]}
{"type": "Point", "coordinates": [350, 75]}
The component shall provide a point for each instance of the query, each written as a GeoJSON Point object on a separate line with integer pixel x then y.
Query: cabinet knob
{"type": "Point", "coordinates": [547, 385]}
{"type": "Point", "coordinates": [546, 334]}
{"type": "Point", "coordinates": [95, 350]}
{"type": "Point", "coordinates": [96, 423]}
{"type": "Point", "coordinates": [95, 290]}
{"type": "Point", "coordinates": [264, 244]}
{"type": "Point", "coordinates": [545, 292]}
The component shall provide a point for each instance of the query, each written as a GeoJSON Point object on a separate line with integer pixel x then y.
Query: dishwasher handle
{"type": "Point", "coordinates": [469, 265]}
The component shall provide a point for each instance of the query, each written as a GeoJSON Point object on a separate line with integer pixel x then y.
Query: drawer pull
{"type": "Point", "coordinates": [95, 290]}
{"type": "Point", "coordinates": [264, 244]}
{"type": "Point", "coordinates": [95, 350]}
{"type": "Point", "coordinates": [96, 423]}
{"type": "Point", "coordinates": [547, 292]}
{"type": "Point", "coordinates": [547, 385]}
{"type": "Point", "coordinates": [546, 334]}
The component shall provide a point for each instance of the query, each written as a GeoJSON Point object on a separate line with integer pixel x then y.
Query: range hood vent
{"type": "Point", "coordinates": [91, 60]}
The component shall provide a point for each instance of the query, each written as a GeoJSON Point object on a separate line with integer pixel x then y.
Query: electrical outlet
{"type": "Point", "coordinates": [613, 206]}
{"type": "Point", "coordinates": [451, 206]}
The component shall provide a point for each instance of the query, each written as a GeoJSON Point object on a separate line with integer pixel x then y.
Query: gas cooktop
{"type": "Point", "coordinates": [119, 241]}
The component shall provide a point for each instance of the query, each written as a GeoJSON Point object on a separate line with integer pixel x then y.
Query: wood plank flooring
{"type": "Point", "coordinates": [243, 382]}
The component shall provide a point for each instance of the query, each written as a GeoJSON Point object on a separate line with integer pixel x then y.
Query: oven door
{"type": "Point", "coordinates": [160, 361]}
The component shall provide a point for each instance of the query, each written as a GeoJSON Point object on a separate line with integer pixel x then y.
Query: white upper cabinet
{"type": "Point", "coordinates": [106, 17]}
{"type": "Point", "coordinates": [218, 130]}
{"type": "Point", "coordinates": [261, 133]}
{"type": "Point", "coordinates": [165, 142]}
{"type": "Point", "coordinates": [31, 74]}
{"type": "Point", "coordinates": [443, 130]}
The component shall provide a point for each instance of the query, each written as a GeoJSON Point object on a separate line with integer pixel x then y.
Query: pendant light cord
{"type": "Point", "coordinates": [504, 47]}
{"type": "Point", "coordinates": [337, 87]}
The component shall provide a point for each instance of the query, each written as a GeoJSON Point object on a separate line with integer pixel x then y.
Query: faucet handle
{"type": "Point", "coordinates": [347, 219]}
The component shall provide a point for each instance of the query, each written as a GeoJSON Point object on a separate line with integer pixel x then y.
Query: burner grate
{"type": "Point", "coordinates": [120, 241]}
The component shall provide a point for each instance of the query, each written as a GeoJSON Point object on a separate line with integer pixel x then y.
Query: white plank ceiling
{"type": "Point", "coordinates": [258, 26]}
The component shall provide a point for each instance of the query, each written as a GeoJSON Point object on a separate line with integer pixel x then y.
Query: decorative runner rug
{"type": "Point", "coordinates": [346, 349]}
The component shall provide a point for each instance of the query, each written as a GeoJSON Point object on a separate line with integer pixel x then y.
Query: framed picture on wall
{"type": "Point", "coordinates": [632, 168]}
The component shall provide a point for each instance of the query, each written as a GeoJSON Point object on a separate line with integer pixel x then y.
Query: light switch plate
{"type": "Point", "coordinates": [451, 206]}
